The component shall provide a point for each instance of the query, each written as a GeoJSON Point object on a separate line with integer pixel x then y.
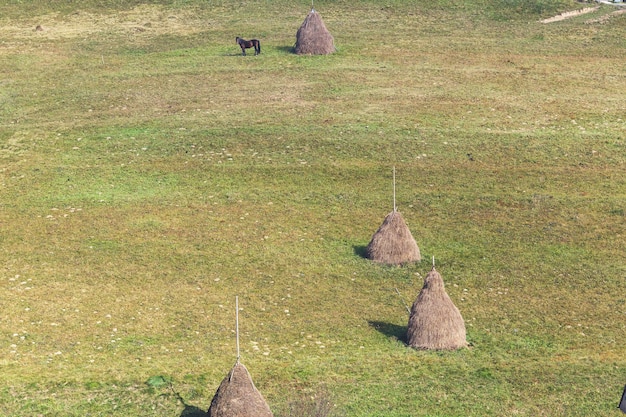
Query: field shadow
{"type": "Point", "coordinates": [238, 54]}
{"type": "Point", "coordinates": [390, 330]}
{"type": "Point", "coordinates": [287, 49]}
{"type": "Point", "coordinates": [283, 49]}
{"type": "Point", "coordinates": [360, 250]}
{"type": "Point", "coordinates": [189, 410]}
{"type": "Point", "coordinates": [192, 411]}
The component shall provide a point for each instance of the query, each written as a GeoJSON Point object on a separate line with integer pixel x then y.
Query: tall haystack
{"type": "Point", "coordinates": [435, 322]}
{"type": "Point", "coordinates": [313, 38]}
{"type": "Point", "coordinates": [393, 242]}
{"type": "Point", "coordinates": [238, 397]}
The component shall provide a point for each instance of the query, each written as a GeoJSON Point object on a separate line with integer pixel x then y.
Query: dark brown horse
{"type": "Point", "coordinates": [252, 43]}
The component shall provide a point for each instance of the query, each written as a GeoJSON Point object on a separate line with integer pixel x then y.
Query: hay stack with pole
{"type": "Point", "coordinates": [237, 396]}
{"type": "Point", "coordinates": [313, 38]}
{"type": "Point", "coordinates": [435, 322]}
{"type": "Point", "coordinates": [393, 243]}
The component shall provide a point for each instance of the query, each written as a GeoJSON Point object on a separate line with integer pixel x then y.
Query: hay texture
{"type": "Point", "coordinates": [435, 322]}
{"type": "Point", "coordinates": [238, 397]}
{"type": "Point", "coordinates": [393, 243]}
{"type": "Point", "coordinates": [313, 38]}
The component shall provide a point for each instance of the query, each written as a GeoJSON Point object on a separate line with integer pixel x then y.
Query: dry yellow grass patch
{"type": "Point", "coordinates": [144, 20]}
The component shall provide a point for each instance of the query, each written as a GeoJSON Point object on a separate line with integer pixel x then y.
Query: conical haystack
{"type": "Point", "coordinates": [435, 322]}
{"type": "Point", "coordinates": [313, 38]}
{"type": "Point", "coordinates": [238, 397]}
{"type": "Point", "coordinates": [393, 242]}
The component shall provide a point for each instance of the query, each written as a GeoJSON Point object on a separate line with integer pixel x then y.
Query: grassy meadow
{"type": "Point", "coordinates": [149, 174]}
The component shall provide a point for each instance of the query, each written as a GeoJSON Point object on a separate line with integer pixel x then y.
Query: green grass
{"type": "Point", "coordinates": [149, 174]}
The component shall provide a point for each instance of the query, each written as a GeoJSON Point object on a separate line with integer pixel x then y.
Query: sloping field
{"type": "Point", "coordinates": [149, 174]}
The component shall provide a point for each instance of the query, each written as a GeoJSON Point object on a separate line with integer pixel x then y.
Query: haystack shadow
{"type": "Point", "coordinates": [360, 250]}
{"type": "Point", "coordinates": [390, 330]}
{"type": "Point", "coordinates": [192, 411]}
{"type": "Point", "coordinates": [189, 410]}
{"type": "Point", "coordinates": [287, 49]}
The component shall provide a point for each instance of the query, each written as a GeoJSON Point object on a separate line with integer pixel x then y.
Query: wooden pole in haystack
{"type": "Point", "coordinates": [393, 243]}
{"type": "Point", "coordinates": [237, 326]}
{"type": "Point", "coordinates": [237, 396]}
{"type": "Point", "coordinates": [395, 208]}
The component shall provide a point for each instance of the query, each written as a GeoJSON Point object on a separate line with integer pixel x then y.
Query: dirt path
{"type": "Point", "coordinates": [605, 18]}
{"type": "Point", "coordinates": [574, 13]}
{"type": "Point", "coordinates": [568, 15]}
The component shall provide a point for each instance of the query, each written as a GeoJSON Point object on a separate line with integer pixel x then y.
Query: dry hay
{"type": "Point", "coordinates": [435, 322]}
{"type": "Point", "coordinates": [313, 38]}
{"type": "Point", "coordinates": [393, 242]}
{"type": "Point", "coordinates": [238, 397]}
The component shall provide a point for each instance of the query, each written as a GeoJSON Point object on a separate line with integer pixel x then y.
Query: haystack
{"type": "Point", "coordinates": [435, 322]}
{"type": "Point", "coordinates": [393, 242]}
{"type": "Point", "coordinates": [238, 397]}
{"type": "Point", "coordinates": [313, 38]}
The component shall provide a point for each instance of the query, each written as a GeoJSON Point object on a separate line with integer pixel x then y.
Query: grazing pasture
{"type": "Point", "coordinates": [149, 174]}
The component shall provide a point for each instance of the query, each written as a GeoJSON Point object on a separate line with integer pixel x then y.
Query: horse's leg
{"type": "Point", "coordinates": [257, 48]}
{"type": "Point", "coordinates": [243, 50]}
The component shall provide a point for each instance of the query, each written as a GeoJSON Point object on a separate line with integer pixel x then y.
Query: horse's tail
{"type": "Point", "coordinates": [259, 46]}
